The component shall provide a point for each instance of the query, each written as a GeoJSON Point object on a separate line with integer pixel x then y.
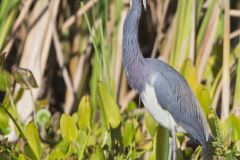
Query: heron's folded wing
{"type": "Point", "coordinates": [175, 96]}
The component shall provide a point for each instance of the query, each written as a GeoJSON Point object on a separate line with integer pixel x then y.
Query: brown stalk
{"type": "Point", "coordinates": [226, 59]}
{"type": "Point", "coordinates": [207, 43]}
{"type": "Point", "coordinates": [80, 68]}
{"type": "Point", "coordinates": [234, 13]}
{"type": "Point", "coordinates": [68, 23]}
{"type": "Point", "coordinates": [170, 37]}
{"type": "Point", "coordinates": [217, 95]}
{"type": "Point", "coordinates": [130, 96]}
{"type": "Point", "coordinates": [235, 34]}
{"type": "Point", "coordinates": [118, 64]}
{"type": "Point", "coordinates": [66, 76]}
{"type": "Point", "coordinates": [192, 37]}
{"type": "Point", "coordinates": [36, 51]}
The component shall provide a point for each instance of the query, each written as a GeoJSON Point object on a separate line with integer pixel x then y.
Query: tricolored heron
{"type": "Point", "coordinates": [163, 91]}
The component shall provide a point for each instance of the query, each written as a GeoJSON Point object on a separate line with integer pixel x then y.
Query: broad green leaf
{"type": "Point", "coordinates": [188, 152]}
{"type": "Point", "coordinates": [189, 73]}
{"type": "Point", "coordinates": [4, 122]}
{"type": "Point", "coordinates": [202, 94]}
{"type": "Point", "coordinates": [150, 123]}
{"type": "Point", "coordinates": [84, 113]}
{"type": "Point", "coordinates": [31, 133]}
{"type": "Point", "coordinates": [204, 98]}
{"type": "Point", "coordinates": [29, 152]}
{"type": "Point", "coordinates": [109, 107]}
{"type": "Point", "coordinates": [68, 128]}
{"type": "Point", "coordinates": [21, 157]}
{"type": "Point", "coordinates": [11, 115]}
{"type": "Point", "coordinates": [97, 154]}
{"type": "Point", "coordinates": [5, 80]}
{"type": "Point", "coordinates": [131, 106]}
{"type": "Point", "coordinates": [83, 142]}
{"type": "Point", "coordinates": [120, 157]}
{"type": "Point", "coordinates": [139, 136]}
{"type": "Point", "coordinates": [75, 117]}
{"type": "Point", "coordinates": [61, 151]}
{"type": "Point", "coordinates": [56, 154]}
{"type": "Point", "coordinates": [232, 125]}
{"type": "Point", "coordinates": [128, 133]}
{"type": "Point", "coordinates": [82, 137]}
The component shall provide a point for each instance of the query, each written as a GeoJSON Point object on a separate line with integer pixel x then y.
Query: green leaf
{"type": "Point", "coordinates": [68, 128]}
{"type": "Point", "coordinates": [97, 154]}
{"type": "Point", "coordinates": [5, 80]}
{"type": "Point", "coordinates": [16, 123]}
{"type": "Point", "coordinates": [4, 122]}
{"type": "Point", "coordinates": [33, 139]}
{"type": "Point", "coordinates": [132, 105]}
{"type": "Point", "coordinates": [109, 107]}
{"type": "Point", "coordinates": [128, 133]}
{"type": "Point", "coordinates": [61, 151]}
{"type": "Point", "coordinates": [232, 125]}
{"type": "Point", "coordinates": [150, 123]}
{"type": "Point", "coordinates": [29, 152]}
{"type": "Point", "coordinates": [204, 98]}
{"type": "Point", "coordinates": [21, 157]}
{"type": "Point", "coordinates": [189, 73]}
{"type": "Point", "coordinates": [84, 114]}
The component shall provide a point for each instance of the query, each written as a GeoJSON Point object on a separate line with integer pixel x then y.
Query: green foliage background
{"type": "Point", "coordinates": [199, 38]}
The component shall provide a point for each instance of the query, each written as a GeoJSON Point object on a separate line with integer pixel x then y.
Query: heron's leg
{"type": "Point", "coordinates": [174, 143]}
{"type": "Point", "coordinates": [170, 149]}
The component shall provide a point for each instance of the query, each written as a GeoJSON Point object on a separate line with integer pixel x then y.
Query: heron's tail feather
{"type": "Point", "coordinates": [208, 150]}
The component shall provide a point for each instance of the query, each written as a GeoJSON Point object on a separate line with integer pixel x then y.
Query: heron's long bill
{"type": "Point", "coordinates": [144, 4]}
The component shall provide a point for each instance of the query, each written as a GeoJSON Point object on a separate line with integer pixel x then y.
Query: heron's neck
{"type": "Point", "coordinates": [132, 56]}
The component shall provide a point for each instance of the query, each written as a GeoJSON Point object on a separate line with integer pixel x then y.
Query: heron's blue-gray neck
{"type": "Point", "coordinates": [132, 56]}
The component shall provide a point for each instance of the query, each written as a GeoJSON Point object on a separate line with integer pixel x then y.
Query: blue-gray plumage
{"type": "Point", "coordinates": [164, 92]}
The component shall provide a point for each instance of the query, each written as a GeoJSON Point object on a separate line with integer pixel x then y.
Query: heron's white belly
{"type": "Point", "coordinates": [162, 116]}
